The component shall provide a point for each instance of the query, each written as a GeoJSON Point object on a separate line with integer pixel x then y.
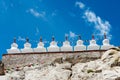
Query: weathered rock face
{"type": "Point", "coordinates": [56, 72]}
{"type": "Point", "coordinates": [2, 68]}
{"type": "Point", "coordinates": [106, 68]}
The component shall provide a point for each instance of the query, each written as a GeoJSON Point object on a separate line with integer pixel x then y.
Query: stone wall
{"type": "Point", "coordinates": [23, 59]}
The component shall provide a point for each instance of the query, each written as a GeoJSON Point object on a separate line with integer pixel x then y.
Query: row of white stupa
{"type": "Point", "coordinates": [66, 46]}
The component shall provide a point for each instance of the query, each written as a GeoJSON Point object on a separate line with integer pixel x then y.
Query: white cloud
{"type": "Point", "coordinates": [71, 34]}
{"type": "Point", "coordinates": [4, 6]}
{"type": "Point", "coordinates": [66, 34]}
{"type": "Point", "coordinates": [21, 38]}
{"type": "Point", "coordinates": [54, 14]}
{"type": "Point", "coordinates": [36, 13]}
{"type": "Point", "coordinates": [72, 37]}
{"type": "Point", "coordinates": [24, 39]}
{"type": "Point", "coordinates": [90, 16]}
{"type": "Point", "coordinates": [80, 4]}
{"type": "Point", "coordinates": [100, 26]}
{"type": "Point", "coordinates": [37, 31]}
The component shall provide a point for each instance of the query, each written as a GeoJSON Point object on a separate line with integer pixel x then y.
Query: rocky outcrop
{"type": "Point", "coordinates": [56, 72]}
{"type": "Point", "coordinates": [69, 68]}
{"type": "Point", "coordinates": [106, 68]}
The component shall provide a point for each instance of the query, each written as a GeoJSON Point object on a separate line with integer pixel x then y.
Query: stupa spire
{"type": "Point", "coordinates": [40, 39]}
{"type": "Point", "coordinates": [66, 37]}
{"type": "Point", "coordinates": [53, 38]}
{"type": "Point", "coordinates": [14, 47]}
{"type": "Point", "coordinates": [27, 47]}
{"type": "Point", "coordinates": [79, 45]}
{"type": "Point", "coordinates": [79, 37]}
{"type": "Point", "coordinates": [93, 45]}
{"type": "Point", "coordinates": [53, 46]}
{"type": "Point", "coordinates": [105, 36]}
{"type": "Point", "coordinates": [27, 39]}
{"type": "Point", "coordinates": [14, 40]}
{"type": "Point", "coordinates": [40, 46]}
{"type": "Point", "coordinates": [106, 44]}
{"type": "Point", "coordinates": [93, 37]}
{"type": "Point", "coordinates": [66, 45]}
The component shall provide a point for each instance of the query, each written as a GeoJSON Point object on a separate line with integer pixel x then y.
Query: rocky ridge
{"type": "Point", "coordinates": [105, 68]}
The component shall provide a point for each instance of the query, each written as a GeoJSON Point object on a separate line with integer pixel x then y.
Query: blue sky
{"type": "Point", "coordinates": [35, 18]}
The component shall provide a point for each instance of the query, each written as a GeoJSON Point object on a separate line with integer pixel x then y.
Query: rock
{"type": "Point", "coordinates": [111, 74]}
{"type": "Point", "coordinates": [2, 68]}
{"type": "Point", "coordinates": [3, 78]}
{"type": "Point", "coordinates": [118, 78]}
{"type": "Point", "coordinates": [108, 53]}
{"type": "Point", "coordinates": [100, 69]}
{"type": "Point", "coordinates": [49, 73]}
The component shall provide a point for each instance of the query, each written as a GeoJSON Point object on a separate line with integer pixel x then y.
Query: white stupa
{"type": "Point", "coordinates": [106, 44]}
{"type": "Point", "coordinates": [14, 47]}
{"type": "Point", "coordinates": [79, 46]}
{"type": "Point", "coordinates": [66, 45]}
{"type": "Point", "coordinates": [93, 45]}
{"type": "Point", "coordinates": [53, 46]}
{"type": "Point", "coordinates": [40, 47]}
{"type": "Point", "coordinates": [27, 47]}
